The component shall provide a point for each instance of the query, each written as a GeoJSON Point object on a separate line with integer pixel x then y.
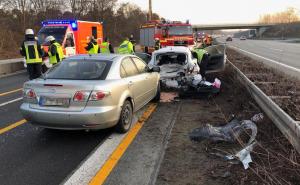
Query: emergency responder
{"type": "Point", "coordinates": [157, 44]}
{"type": "Point", "coordinates": [92, 47]}
{"type": "Point", "coordinates": [126, 47]}
{"type": "Point", "coordinates": [33, 53]}
{"type": "Point", "coordinates": [106, 47]}
{"type": "Point", "coordinates": [55, 51]}
{"type": "Point", "coordinates": [202, 59]}
{"type": "Point", "coordinates": [131, 39]}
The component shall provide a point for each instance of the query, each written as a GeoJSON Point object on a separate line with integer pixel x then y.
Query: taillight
{"type": "Point", "coordinates": [29, 93]}
{"type": "Point", "coordinates": [98, 95]}
{"type": "Point", "coordinates": [81, 96]}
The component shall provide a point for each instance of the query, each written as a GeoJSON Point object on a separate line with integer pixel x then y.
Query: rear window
{"type": "Point", "coordinates": [171, 58]}
{"type": "Point", "coordinates": [80, 70]}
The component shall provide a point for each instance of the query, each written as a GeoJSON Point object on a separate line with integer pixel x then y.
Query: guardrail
{"type": "Point", "coordinates": [11, 66]}
{"type": "Point", "coordinates": [287, 125]}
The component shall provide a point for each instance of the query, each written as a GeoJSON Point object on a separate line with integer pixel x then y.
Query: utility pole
{"type": "Point", "coordinates": [150, 11]}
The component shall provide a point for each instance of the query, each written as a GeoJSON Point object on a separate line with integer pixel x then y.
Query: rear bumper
{"type": "Point", "coordinates": [89, 118]}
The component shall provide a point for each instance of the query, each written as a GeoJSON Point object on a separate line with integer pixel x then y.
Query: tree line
{"type": "Point", "coordinates": [290, 15]}
{"type": "Point", "coordinates": [119, 20]}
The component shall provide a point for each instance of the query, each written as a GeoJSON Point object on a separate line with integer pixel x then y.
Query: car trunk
{"type": "Point", "coordinates": [171, 64]}
{"type": "Point", "coordinates": [57, 95]}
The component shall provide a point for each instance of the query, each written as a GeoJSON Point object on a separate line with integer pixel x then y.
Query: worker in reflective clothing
{"type": "Point", "coordinates": [126, 47]}
{"type": "Point", "coordinates": [106, 47]}
{"type": "Point", "coordinates": [55, 51]}
{"type": "Point", "coordinates": [157, 44]}
{"type": "Point", "coordinates": [33, 53]}
{"type": "Point", "coordinates": [92, 47]}
{"type": "Point", "coordinates": [202, 59]}
{"type": "Point", "coordinates": [131, 39]}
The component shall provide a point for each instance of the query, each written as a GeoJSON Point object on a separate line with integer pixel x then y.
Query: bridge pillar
{"type": "Point", "coordinates": [260, 31]}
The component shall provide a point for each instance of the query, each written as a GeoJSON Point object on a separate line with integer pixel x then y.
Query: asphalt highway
{"type": "Point", "coordinates": [280, 51]}
{"type": "Point", "coordinates": [31, 155]}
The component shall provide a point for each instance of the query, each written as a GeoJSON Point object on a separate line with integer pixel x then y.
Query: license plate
{"type": "Point", "coordinates": [46, 101]}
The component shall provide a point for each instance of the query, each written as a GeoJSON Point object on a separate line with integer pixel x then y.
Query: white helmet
{"type": "Point", "coordinates": [29, 32]}
{"type": "Point", "coordinates": [49, 39]}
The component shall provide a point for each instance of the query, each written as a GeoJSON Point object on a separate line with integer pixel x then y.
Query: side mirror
{"type": "Point", "coordinates": [156, 69]}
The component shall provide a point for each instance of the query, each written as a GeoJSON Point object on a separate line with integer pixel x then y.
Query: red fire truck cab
{"type": "Point", "coordinates": [169, 33]}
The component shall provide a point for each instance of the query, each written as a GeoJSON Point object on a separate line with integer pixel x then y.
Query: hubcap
{"type": "Point", "coordinates": [126, 116]}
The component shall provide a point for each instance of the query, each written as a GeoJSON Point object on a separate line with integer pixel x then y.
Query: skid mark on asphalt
{"type": "Point", "coordinates": [12, 126]}
{"type": "Point", "coordinates": [10, 92]}
{"type": "Point", "coordinates": [112, 161]}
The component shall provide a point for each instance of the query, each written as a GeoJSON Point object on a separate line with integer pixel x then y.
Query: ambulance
{"type": "Point", "coordinates": [73, 35]}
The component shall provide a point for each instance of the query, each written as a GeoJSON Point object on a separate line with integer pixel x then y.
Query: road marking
{"type": "Point", "coordinates": [276, 49]}
{"type": "Point", "coordinates": [112, 161]}
{"type": "Point", "coordinates": [273, 61]}
{"type": "Point", "coordinates": [9, 102]}
{"type": "Point", "coordinates": [10, 92]}
{"type": "Point", "coordinates": [12, 126]}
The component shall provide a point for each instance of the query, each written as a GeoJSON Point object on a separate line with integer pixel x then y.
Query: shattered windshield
{"type": "Point", "coordinates": [171, 58]}
{"type": "Point", "coordinates": [58, 32]}
{"type": "Point", "coordinates": [180, 30]}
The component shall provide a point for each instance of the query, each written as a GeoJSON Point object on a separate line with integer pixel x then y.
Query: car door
{"type": "Point", "coordinates": [217, 58]}
{"type": "Point", "coordinates": [135, 82]}
{"type": "Point", "coordinates": [150, 79]}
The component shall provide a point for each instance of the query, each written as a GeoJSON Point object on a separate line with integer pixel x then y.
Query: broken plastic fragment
{"type": "Point", "coordinates": [244, 155]}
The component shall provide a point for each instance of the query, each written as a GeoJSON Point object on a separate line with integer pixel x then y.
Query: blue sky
{"type": "Point", "coordinates": [218, 11]}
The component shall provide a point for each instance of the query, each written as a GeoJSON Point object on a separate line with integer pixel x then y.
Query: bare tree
{"type": "Point", "coordinates": [103, 6]}
{"type": "Point", "coordinates": [21, 5]}
{"type": "Point", "coordinates": [79, 7]}
{"type": "Point", "coordinates": [43, 5]}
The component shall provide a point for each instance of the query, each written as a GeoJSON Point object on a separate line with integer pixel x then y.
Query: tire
{"type": "Point", "coordinates": [126, 116]}
{"type": "Point", "coordinates": [157, 96]}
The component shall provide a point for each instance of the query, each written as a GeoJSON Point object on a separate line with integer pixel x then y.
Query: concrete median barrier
{"type": "Point", "coordinates": [11, 66]}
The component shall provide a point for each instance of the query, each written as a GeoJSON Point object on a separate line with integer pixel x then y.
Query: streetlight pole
{"type": "Point", "coordinates": [150, 11]}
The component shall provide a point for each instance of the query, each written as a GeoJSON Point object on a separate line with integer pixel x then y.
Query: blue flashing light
{"type": "Point", "coordinates": [73, 23]}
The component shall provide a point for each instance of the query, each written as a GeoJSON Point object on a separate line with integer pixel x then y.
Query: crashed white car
{"type": "Point", "coordinates": [172, 61]}
{"type": "Point", "coordinates": [175, 61]}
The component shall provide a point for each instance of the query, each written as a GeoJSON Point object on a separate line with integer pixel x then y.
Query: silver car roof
{"type": "Point", "coordinates": [95, 57]}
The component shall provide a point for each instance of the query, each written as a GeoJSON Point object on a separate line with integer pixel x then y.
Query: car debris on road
{"type": "Point", "coordinates": [230, 133]}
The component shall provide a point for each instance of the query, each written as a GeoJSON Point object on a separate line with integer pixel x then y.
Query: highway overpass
{"type": "Point", "coordinates": [198, 27]}
{"type": "Point", "coordinates": [260, 28]}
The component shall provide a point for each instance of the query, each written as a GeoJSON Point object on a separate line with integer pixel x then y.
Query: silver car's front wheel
{"type": "Point", "coordinates": [125, 121]}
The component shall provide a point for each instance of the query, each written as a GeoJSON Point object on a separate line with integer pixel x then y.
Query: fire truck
{"type": "Point", "coordinates": [169, 33]}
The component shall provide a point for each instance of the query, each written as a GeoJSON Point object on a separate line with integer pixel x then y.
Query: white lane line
{"type": "Point", "coordinates": [11, 101]}
{"type": "Point", "coordinates": [93, 163]}
{"type": "Point", "coordinates": [274, 49]}
{"type": "Point", "coordinates": [273, 61]}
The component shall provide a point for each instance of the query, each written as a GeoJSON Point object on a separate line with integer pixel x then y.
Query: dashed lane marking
{"type": "Point", "coordinates": [11, 101]}
{"type": "Point", "coordinates": [10, 92]}
{"type": "Point", "coordinates": [112, 161]}
{"type": "Point", "coordinates": [12, 126]}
